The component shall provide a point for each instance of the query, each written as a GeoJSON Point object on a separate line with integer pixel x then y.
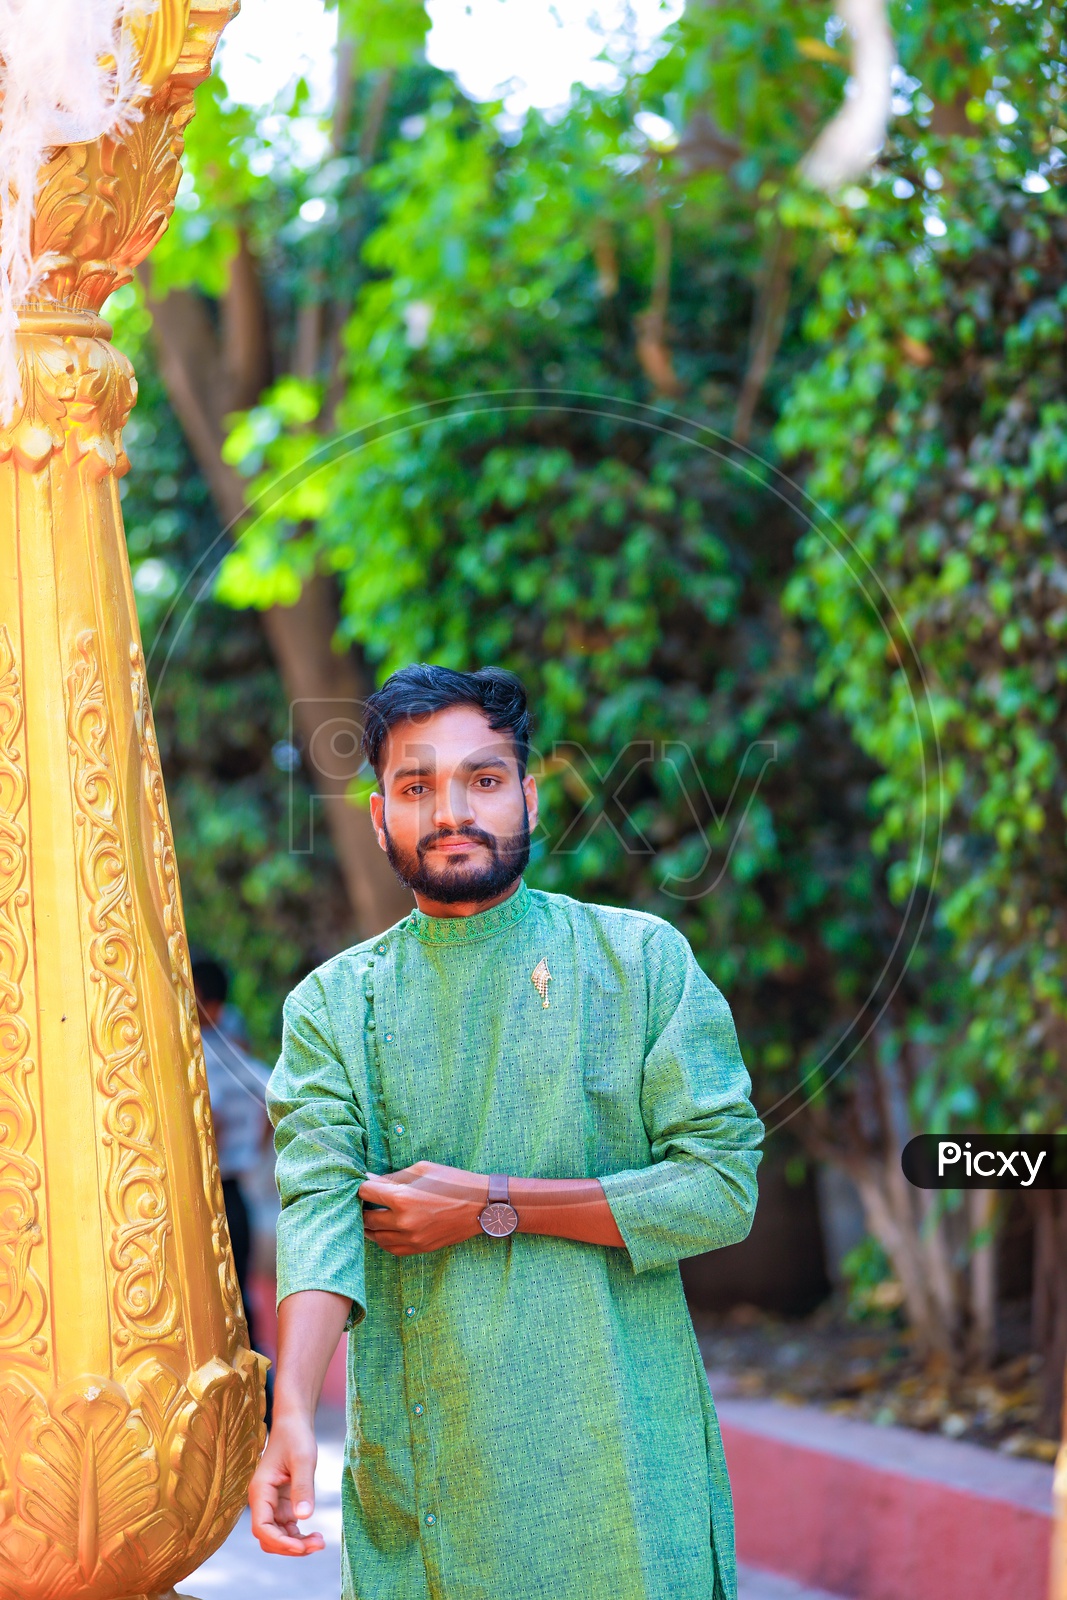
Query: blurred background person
{"type": "Point", "coordinates": [236, 1084]}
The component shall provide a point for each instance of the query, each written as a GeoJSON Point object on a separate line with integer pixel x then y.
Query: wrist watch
{"type": "Point", "coordinates": [499, 1218]}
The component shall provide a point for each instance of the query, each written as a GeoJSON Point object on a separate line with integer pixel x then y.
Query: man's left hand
{"type": "Point", "coordinates": [429, 1206]}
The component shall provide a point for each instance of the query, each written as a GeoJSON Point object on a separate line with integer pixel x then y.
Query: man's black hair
{"type": "Point", "coordinates": [209, 979]}
{"type": "Point", "coordinates": [422, 689]}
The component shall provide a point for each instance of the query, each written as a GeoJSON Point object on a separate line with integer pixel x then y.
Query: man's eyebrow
{"type": "Point", "coordinates": [476, 763]}
{"type": "Point", "coordinates": [472, 764]}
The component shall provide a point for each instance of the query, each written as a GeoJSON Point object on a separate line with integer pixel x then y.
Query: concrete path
{"type": "Point", "coordinates": [753, 1585]}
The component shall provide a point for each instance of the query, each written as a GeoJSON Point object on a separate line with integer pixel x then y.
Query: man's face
{"type": "Point", "coordinates": [454, 814]}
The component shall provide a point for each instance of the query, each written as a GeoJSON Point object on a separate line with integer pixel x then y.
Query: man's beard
{"type": "Point", "coordinates": [461, 880]}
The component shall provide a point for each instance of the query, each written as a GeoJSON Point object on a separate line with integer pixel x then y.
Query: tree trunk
{"type": "Point", "coordinates": [947, 1306]}
{"type": "Point", "coordinates": [1050, 1300]}
{"type": "Point", "coordinates": [983, 1276]}
{"type": "Point", "coordinates": [897, 1233]}
{"type": "Point", "coordinates": [207, 376]}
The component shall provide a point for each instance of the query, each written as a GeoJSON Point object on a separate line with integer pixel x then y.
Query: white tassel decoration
{"type": "Point", "coordinates": [68, 75]}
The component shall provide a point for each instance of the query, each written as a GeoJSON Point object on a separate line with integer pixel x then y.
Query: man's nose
{"type": "Point", "coordinates": [453, 805]}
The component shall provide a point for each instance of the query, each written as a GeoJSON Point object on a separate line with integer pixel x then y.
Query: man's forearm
{"type": "Point", "coordinates": [310, 1325]}
{"type": "Point", "coordinates": [565, 1208]}
{"type": "Point", "coordinates": [428, 1207]}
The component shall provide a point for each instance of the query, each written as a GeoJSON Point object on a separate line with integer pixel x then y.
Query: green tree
{"type": "Point", "coordinates": [931, 423]}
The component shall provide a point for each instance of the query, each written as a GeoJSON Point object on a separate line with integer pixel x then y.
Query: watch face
{"type": "Point", "coordinates": [499, 1219]}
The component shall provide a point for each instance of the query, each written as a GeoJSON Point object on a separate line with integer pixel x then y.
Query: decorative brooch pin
{"type": "Point", "coordinates": [540, 978]}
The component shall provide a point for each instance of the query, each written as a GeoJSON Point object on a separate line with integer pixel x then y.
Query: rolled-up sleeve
{"type": "Point", "coordinates": [321, 1146]}
{"type": "Point", "coordinates": [700, 1191]}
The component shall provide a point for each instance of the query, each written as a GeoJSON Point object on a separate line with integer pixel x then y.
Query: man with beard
{"type": "Point", "coordinates": [542, 1107]}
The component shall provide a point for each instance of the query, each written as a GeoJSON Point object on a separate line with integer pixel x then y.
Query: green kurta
{"type": "Point", "coordinates": [529, 1418]}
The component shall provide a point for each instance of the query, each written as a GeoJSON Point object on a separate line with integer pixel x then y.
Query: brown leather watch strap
{"type": "Point", "coordinates": [498, 1189]}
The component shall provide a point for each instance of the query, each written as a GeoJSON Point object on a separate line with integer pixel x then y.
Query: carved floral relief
{"type": "Point", "coordinates": [166, 873]}
{"type": "Point", "coordinates": [145, 1293]}
{"type": "Point", "coordinates": [23, 1304]}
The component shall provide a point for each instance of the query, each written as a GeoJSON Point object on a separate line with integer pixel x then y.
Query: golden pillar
{"type": "Point", "coordinates": [130, 1403]}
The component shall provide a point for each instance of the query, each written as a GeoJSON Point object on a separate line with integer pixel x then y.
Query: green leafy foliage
{"type": "Point", "coordinates": [494, 487]}
{"type": "Point", "coordinates": [931, 421]}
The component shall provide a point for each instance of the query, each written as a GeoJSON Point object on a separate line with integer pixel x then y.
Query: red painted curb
{"type": "Point", "coordinates": [884, 1513]}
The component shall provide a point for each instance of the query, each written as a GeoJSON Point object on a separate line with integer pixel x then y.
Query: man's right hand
{"type": "Point", "coordinates": [282, 1493]}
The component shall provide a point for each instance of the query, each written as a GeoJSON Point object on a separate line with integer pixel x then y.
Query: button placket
{"type": "Point", "coordinates": [394, 1061]}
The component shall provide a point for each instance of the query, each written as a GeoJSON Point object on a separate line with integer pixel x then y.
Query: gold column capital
{"type": "Point", "coordinates": [101, 206]}
{"type": "Point", "coordinates": [77, 392]}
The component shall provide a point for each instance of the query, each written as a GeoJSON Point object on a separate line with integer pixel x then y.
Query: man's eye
{"type": "Point", "coordinates": [488, 783]}
{"type": "Point", "coordinates": [416, 789]}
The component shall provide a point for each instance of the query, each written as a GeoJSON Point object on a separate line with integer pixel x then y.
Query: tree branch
{"type": "Point", "coordinates": [853, 137]}
{"type": "Point", "coordinates": [653, 350]}
{"type": "Point", "coordinates": [768, 323]}
{"type": "Point", "coordinates": [205, 376]}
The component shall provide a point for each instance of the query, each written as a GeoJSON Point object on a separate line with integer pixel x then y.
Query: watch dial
{"type": "Point", "coordinates": [499, 1219]}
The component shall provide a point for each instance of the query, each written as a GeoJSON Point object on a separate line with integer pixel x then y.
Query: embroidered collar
{"type": "Point", "coordinates": [462, 930]}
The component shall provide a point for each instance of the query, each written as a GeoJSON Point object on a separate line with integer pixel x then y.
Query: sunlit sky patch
{"type": "Point", "coordinates": [524, 52]}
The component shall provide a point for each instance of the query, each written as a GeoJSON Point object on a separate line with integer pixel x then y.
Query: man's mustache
{"type": "Point", "coordinates": [475, 835]}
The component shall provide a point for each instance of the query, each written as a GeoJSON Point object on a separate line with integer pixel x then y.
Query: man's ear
{"type": "Point", "coordinates": [529, 789]}
{"type": "Point", "coordinates": [377, 816]}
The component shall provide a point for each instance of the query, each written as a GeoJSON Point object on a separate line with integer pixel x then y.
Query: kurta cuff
{"type": "Point", "coordinates": [320, 1246]}
{"type": "Point", "coordinates": [676, 1209]}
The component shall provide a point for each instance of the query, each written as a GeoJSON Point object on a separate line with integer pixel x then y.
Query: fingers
{"type": "Point", "coordinates": [378, 1191]}
{"type": "Point", "coordinates": [397, 1244]}
{"type": "Point", "coordinates": [375, 1222]}
{"type": "Point", "coordinates": [273, 1523]}
{"type": "Point", "coordinates": [397, 1241]}
{"type": "Point", "coordinates": [282, 1493]}
{"type": "Point", "coordinates": [302, 1485]}
{"type": "Point", "coordinates": [277, 1541]}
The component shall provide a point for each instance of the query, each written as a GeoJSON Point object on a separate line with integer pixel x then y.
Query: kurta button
{"type": "Point", "coordinates": [370, 1022]}
{"type": "Point", "coordinates": [418, 1410]}
{"type": "Point", "coordinates": [388, 1038]}
{"type": "Point", "coordinates": [409, 1311]}
{"type": "Point", "coordinates": [430, 1519]}
{"type": "Point", "coordinates": [398, 1127]}
{"type": "Point", "coordinates": [380, 949]}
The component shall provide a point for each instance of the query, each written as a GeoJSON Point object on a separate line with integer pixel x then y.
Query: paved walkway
{"type": "Point", "coordinates": [753, 1585]}
{"type": "Point", "coordinates": [241, 1571]}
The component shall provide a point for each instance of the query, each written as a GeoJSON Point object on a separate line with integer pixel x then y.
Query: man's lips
{"type": "Point", "coordinates": [454, 846]}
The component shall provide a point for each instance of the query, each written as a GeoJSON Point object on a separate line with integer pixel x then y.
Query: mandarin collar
{"type": "Point", "coordinates": [482, 925]}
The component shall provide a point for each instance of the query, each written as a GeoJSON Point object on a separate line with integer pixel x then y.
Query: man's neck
{"type": "Point", "coordinates": [462, 908]}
